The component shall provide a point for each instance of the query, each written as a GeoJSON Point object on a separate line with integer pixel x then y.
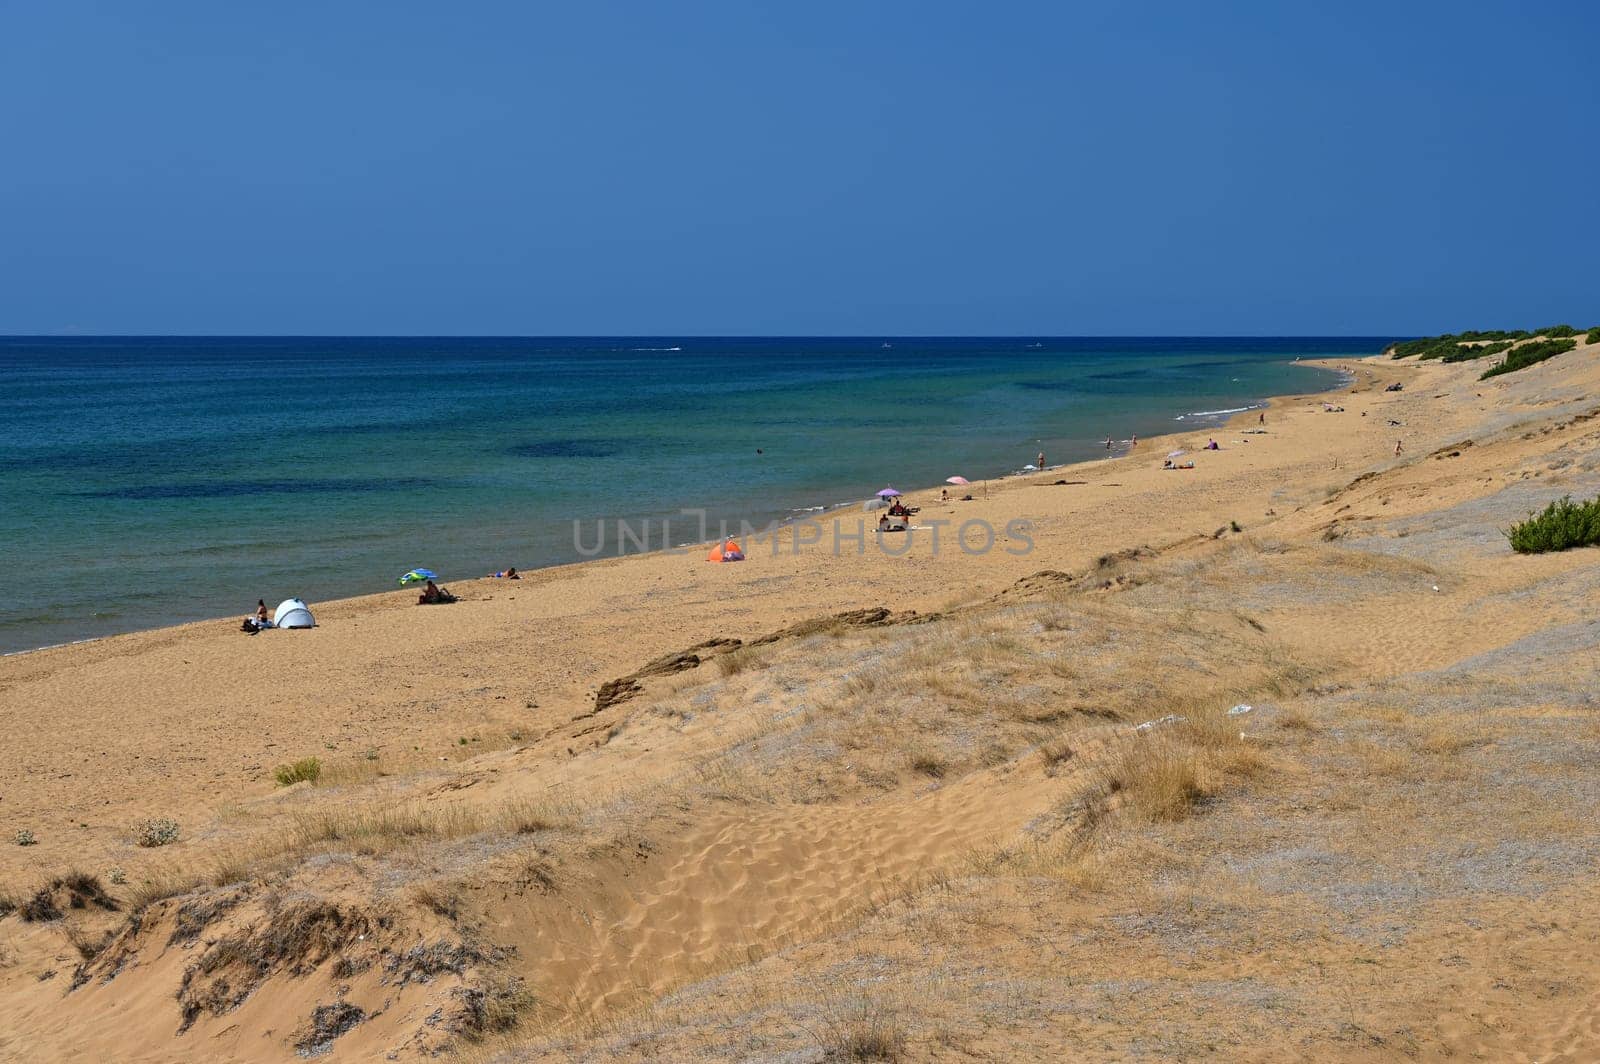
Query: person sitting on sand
{"type": "Point", "coordinates": [883, 522]}
{"type": "Point", "coordinates": [433, 594]}
{"type": "Point", "coordinates": [1211, 445]}
{"type": "Point", "coordinates": [261, 612]}
{"type": "Point", "coordinates": [1167, 464]}
{"type": "Point", "coordinates": [944, 494]}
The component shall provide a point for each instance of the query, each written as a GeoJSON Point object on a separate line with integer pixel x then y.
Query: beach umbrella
{"type": "Point", "coordinates": [1174, 454]}
{"type": "Point", "coordinates": [888, 493]}
{"type": "Point", "coordinates": [874, 504]}
{"type": "Point", "coordinates": [417, 576]}
{"type": "Point", "coordinates": [957, 480]}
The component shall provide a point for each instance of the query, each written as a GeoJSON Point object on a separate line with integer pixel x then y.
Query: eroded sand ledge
{"type": "Point", "coordinates": [826, 832]}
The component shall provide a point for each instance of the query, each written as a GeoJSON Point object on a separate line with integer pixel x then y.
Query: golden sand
{"type": "Point", "coordinates": [935, 832]}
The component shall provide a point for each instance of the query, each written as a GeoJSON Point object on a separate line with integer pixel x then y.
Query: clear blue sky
{"type": "Point", "coordinates": [868, 167]}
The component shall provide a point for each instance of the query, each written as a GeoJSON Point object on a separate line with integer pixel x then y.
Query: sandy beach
{"type": "Point", "coordinates": [779, 845]}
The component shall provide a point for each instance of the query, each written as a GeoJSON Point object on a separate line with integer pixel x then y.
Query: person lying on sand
{"type": "Point", "coordinates": [506, 574]}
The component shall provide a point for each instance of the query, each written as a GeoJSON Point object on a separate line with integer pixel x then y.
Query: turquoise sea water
{"type": "Point", "coordinates": [146, 481]}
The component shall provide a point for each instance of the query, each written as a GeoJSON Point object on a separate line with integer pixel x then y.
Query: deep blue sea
{"type": "Point", "coordinates": [147, 481]}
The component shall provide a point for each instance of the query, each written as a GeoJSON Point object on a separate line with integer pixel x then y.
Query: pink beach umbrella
{"type": "Point", "coordinates": [888, 493]}
{"type": "Point", "coordinates": [957, 480]}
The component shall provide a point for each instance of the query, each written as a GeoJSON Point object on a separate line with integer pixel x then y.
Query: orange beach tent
{"type": "Point", "coordinates": [726, 552]}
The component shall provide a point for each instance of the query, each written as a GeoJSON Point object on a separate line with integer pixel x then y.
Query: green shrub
{"type": "Point", "coordinates": [1525, 355]}
{"type": "Point", "coordinates": [1447, 344]}
{"type": "Point", "coordinates": [1562, 524]}
{"type": "Point", "coordinates": [307, 769]}
{"type": "Point", "coordinates": [1556, 332]}
{"type": "Point", "coordinates": [1467, 354]}
{"type": "Point", "coordinates": [24, 838]}
{"type": "Point", "coordinates": [1594, 336]}
{"type": "Point", "coordinates": [157, 831]}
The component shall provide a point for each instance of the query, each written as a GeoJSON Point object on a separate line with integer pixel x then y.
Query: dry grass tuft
{"type": "Point", "coordinates": [306, 770]}
{"type": "Point", "coordinates": [1297, 720]}
{"type": "Point", "coordinates": [1160, 778]}
{"type": "Point", "coordinates": [526, 816]}
{"type": "Point", "coordinates": [929, 764]}
{"type": "Point", "coordinates": [439, 900]}
{"type": "Point", "coordinates": [859, 1029]}
{"type": "Point", "coordinates": [1055, 751]}
{"type": "Point", "coordinates": [494, 1007]}
{"type": "Point", "coordinates": [163, 883]}
{"type": "Point", "coordinates": [737, 661]}
{"type": "Point", "coordinates": [378, 828]}
{"type": "Point", "coordinates": [1450, 740]}
{"type": "Point", "coordinates": [1380, 760]}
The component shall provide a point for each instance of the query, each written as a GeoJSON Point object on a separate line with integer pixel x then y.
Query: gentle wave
{"type": "Point", "coordinates": [1216, 413]}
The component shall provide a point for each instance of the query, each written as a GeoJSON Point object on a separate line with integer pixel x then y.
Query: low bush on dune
{"type": "Point", "coordinates": [1450, 343]}
{"type": "Point", "coordinates": [1560, 526]}
{"type": "Point", "coordinates": [1467, 354]}
{"type": "Point", "coordinates": [1525, 355]}
{"type": "Point", "coordinates": [157, 831]}
{"type": "Point", "coordinates": [1593, 337]}
{"type": "Point", "coordinates": [306, 770]}
{"type": "Point", "coordinates": [1556, 332]}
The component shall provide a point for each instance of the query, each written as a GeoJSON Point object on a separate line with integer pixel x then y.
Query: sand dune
{"type": "Point", "coordinates": [928, 834]}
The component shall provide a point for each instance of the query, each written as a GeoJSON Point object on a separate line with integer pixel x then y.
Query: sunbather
{"type": "Point", "coordinates": [433, 594]}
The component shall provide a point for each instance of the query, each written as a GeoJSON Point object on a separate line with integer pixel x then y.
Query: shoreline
{"type": "Point", "coordinates": [1309, 574]}
{"type": "Point", "coordinates": [784, 519]}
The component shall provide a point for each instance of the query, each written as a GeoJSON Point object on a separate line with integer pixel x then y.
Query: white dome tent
{"type": "Point", "coordinates": [293, 613]}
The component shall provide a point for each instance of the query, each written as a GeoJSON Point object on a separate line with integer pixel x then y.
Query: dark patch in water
{"type": "Point", "coordinates": [1211, 364]}
{"type": "Point", "coordinates": [1119, 375]}
{"type": "Point", "coordinates": [565, 449]}
{"type": "Point", "coordinates": [1048, 386]}
{"type": "Point", "coordinates": [223, 489]}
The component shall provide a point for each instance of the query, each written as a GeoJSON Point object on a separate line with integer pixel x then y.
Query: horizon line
{"type": "Point", "coordinates": [705, 336]}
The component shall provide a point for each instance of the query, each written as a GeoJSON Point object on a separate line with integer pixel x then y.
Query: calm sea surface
{"type": "Point", "coordinates": [147, 481]}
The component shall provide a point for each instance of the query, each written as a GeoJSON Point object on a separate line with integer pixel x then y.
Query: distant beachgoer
{"type": "Point", "coordinates": [506, 574]}
{"type": "Point", "coordinates": [944, 494]}
{"type": "Point", "coordinates": [1108, 443]}
{"type": "Point", "coordinates": [1040, 462]}
{"type": "Point", "coordinates": [1396, 446]}
{"type": "Point", "coordinates": [883, 522]}
{"type": "Point", "coordinates": [1211, 445]}
{"type": "Point", "coordinates": [261, 611]}
{"type": "Point", "coordinates": [1134, 442]}
{"type": "Point", "coordinates": [1261, 419]}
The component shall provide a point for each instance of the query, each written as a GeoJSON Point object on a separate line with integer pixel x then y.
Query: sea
{"type": "Point", "coordinates": [147, 481]}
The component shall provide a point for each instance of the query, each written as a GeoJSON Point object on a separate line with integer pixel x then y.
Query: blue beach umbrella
{"type": "Point", "coordinates": [417, 576]}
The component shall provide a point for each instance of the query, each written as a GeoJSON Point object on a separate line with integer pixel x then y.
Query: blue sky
{"type": "Point", "coordinates": [823, 168]}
